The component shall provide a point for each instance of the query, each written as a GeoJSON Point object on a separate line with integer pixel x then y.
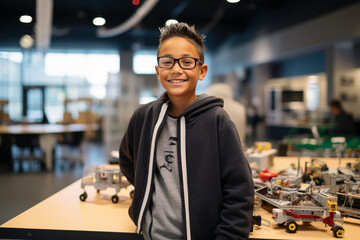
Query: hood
{"type": "Point", "coordinates": [202, 104]}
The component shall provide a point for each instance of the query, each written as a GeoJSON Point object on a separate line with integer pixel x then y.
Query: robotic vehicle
{"type": "Point", "coordinates": [292, 205]}
{"type": "Point", "coordinates": [102, 177]}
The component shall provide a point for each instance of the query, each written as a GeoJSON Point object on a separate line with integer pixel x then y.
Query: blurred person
{"type": "Point", "coordinates": [235, 109]}
{"type": "Point", "coordinates": [343, 123]}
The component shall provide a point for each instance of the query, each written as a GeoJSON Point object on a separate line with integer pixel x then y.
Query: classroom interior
{"type": "Point", "coordinates": [69, 85]}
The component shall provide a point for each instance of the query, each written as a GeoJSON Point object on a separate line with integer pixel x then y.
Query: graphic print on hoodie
{"type": "Point", "coordinates": [164, 217]}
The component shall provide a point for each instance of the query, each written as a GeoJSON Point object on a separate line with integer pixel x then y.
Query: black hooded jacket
{"type": "Point", "coordinates": [216, 182]}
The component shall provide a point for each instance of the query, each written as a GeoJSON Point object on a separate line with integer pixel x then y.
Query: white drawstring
{"type": "Point", "coordinates": [184, 174]}
{"type": "Point", "coordinates": [151, 164]}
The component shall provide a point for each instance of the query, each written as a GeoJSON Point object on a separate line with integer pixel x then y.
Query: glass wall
{"type": "Point", "coordinates": [10, 82]}
{"type": "Point", "coordinates": [64, 74]}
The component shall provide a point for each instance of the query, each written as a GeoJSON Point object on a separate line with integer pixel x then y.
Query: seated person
{"type": "Point", "coordinates": [343, 123]}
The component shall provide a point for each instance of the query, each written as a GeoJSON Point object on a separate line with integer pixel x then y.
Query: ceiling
{"type": "Point", "coordinates": [72, 20]}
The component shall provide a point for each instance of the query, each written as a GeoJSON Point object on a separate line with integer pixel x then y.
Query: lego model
{"type": "Point", "coordinates": [292, 171]}
{"type": "Point", "coordinates": [292, 215]}
{"type": "Point", "coordinates": [345, 184]}
{"type": "Point", "coordinates": [266, 175]}
{"type": "Point", "coordinates": [314, 170]}
{"type": "Point", "coordinates": [102, 177]}
{"type": "Point", "coordinates": [286, 182]}
{"type": "Point", "coordinates": [256, 218]}
{"type": "Point", "coordinates": [292, 205]}
{"type": "Point", "coordinates": [353, 169]}
{"type": "Point", "coordinates": [348, 199]}
{"type": "Point", "coordinates": [262, 154]}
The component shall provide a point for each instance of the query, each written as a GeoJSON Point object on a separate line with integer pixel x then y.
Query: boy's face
{"type": "Point", "coordinates": [177, 81]}
{"type": "Point", "coordinates": [334, 111]}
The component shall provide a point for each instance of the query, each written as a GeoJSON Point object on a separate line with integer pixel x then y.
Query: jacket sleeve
{"type": "Point", "coordinates": [127, 151]}
{"type": "Point", "coordinates": [237, 185]}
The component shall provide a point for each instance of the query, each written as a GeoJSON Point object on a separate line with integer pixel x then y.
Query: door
{"type": "Point", "coordinates": [34, 104]}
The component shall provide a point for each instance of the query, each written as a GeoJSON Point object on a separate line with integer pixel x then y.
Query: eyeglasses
{"type": "Point", "coordinates": [184, 62]}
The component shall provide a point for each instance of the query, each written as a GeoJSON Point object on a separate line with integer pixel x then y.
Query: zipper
{"type": "Point", "coordinates": [151, 165]}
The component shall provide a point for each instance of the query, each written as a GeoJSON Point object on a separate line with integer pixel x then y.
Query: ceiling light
{"type": "Point", "coordinates": [171, 21]}
{"type": "Point", "coordinates": [233, 1]}
{"type": "Point", "coordinates": [99, 21]}
{"type": "Point", "coordinates": [25, 19]}
{"type": "Point", "coordinates": [26, 41]}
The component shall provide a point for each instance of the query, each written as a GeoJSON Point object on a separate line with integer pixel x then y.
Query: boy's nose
{"type": "Point", "coordinates": [176, 67]}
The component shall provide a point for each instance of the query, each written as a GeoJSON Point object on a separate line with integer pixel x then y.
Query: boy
{"type": "Point", "coordinates": [183, 155]}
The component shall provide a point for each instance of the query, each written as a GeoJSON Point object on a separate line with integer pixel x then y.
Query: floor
{"type": "Point", "coordinates": [21, 190]}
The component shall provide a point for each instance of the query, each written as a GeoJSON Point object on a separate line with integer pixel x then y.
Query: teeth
{"type": "Point", "coordinates": [176, 81]}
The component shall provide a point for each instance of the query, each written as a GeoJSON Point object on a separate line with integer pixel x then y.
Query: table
{"type": "Point", "coordinates": [47, 135]}
{"type": "Point", "coordinates": [281, 163]}
{"type": "Point", "coordinates": [64, 216]}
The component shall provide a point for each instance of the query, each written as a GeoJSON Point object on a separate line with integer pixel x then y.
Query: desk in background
{"type": "Point", "coordinates": [281, 163]}
{"type": "Point", "coordinates": [47, 136]}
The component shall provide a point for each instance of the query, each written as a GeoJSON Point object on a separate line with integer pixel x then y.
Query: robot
{"type": "Point", "coordinates": [102, 177]}
{"type": "Point", "coordinates": [348, 199]}
{"type": "Point", "coordinates": [292, 205]}
{"type": "Point", "coordinates": [314, 170]}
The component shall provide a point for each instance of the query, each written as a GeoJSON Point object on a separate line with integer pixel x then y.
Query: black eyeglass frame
{"type": "Point", "coordinates": [178, 60]}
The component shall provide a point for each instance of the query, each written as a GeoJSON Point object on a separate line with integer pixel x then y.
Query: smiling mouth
{"type": "Point", "coordinates": [176, 81]}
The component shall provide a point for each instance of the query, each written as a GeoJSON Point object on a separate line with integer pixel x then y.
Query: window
{"type": "Point", "coordinates": [313, 93]}
{"type": "Point", "coordinates": [10, 82]}
{"type": "Point", "coordinates": [64, 74]}
{"type": "Point", "coordinates": [144, 62]}
{"type": "Point", "coordinates": [86, 70]}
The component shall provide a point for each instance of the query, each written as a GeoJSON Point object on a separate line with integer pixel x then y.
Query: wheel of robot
{"type": "Point", "coordinates": [338, 231]}
{"type": "Point", "coordinates": [83, 196]}
{"type": "Point", "coordinates": [115, 199]}
{"type": "Point", "coordinates": [252, 224]}
{"type": "Point", "coordinates": [291, 227]}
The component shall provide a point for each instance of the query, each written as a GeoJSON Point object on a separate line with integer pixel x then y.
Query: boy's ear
{"type": "Point", "coordinates": [203, 71]}
{"type": "Point", "coordinates": [157, 72]}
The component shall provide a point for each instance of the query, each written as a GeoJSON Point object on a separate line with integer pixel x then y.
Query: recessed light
{"type": "Point", "coordinates": [99, 21]}
{"type": "Point", "coordinates": [171, 21]}
{"type": "Point", "coordinates": [25, 19]}
{"type": "Point", "coordinates": [233, 1]}
{"type": "Point", "coordinates": [26, 41]}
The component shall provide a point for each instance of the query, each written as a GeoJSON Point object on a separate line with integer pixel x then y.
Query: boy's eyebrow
{"type": "Point", "coordinates": [166, 55]}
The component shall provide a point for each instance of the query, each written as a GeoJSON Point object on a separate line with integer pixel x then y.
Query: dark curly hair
{"type": "Point", "coordinates": [336, 104]}
{"type": "Point", "coordinates": [186, 31]}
